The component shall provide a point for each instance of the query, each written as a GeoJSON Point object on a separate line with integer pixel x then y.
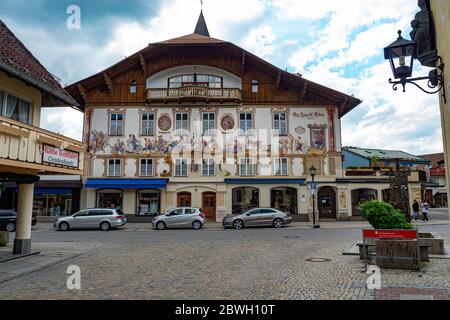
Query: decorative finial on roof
{"type": "Point", "coordinates": [201, 27]}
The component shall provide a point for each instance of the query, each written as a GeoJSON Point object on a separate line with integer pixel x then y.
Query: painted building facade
{"type": "Point", "coordinates": [197, 121]}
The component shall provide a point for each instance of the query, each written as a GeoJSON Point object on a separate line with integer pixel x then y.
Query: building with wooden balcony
{"type": "Point", "coordinates": [26, 150]}
{"type": "Point", "coordinates": [182, 122]}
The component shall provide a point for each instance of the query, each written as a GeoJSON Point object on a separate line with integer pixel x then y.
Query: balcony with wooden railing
{"type": "Point", "coordinates": [194, 94]}
{"type": "Point", "coordinates": [28, 147]}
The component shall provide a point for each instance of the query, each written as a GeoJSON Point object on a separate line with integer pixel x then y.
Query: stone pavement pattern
{"type": "Point", "coordinates": [237, 269]}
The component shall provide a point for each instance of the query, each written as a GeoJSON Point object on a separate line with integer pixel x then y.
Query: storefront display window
{"type": "Point", "coordinates": [361, 196]}
{"type": "Point", "coordinates": [245, 199]}
{"type": "Point", "coordinates": [52, 203]}
{"type": "Point", "coordinates": [148, 203]}
{"type": "Point", "coordinates": [284, 199]}
{"type": "Point", "coordinates": [110, 199]}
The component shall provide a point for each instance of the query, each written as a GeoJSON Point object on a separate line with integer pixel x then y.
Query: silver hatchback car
{"type": "Point", "coordinates": [180, 218]}
{"type": "Point", "coordinates": [257, 217]}
{"type": "Point", "coordinates": [103, 219]}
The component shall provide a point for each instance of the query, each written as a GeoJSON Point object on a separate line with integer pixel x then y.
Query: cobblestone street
{"type": "Point", "coordinates": [214, 267]}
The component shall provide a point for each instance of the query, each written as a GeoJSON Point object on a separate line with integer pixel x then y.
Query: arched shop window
{"type": "Point", "coordinates": [110, 199]}
{"type": "Point", "coordinates": [284, 199]}
{"type": "Point", "coordinates": [148, 203]}
{"type": "Point", "coordinates": [244, 199]}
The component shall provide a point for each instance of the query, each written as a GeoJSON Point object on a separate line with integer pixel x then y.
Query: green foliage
{"type": "Point", "coordinates": [382, 215]}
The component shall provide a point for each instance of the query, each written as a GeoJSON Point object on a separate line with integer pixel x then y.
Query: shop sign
{"type": "Point", "coordinates": [60, 157]}
{"type": "Point", "coordinates": [390, 234]}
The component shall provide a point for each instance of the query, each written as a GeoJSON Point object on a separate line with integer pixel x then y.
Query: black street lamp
{"type": "Point", "coordinates": [312, 172]}
{"type": "Point", "coordinates": [401, 54]}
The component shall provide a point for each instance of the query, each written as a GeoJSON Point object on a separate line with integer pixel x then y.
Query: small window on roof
{"type": "Point", "coordinates": [133, 86]}
{"type": "Point", "coordinates": [255, 86]}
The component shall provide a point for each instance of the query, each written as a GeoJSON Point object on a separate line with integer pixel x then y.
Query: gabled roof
{"type": "Point", "coordinates": [384, 154]}
{"type": "Point", "coordinates": [200, 37]}
{"type": "Point", "coordinates": [18, 61]}
{"type": "Point", "coordinates": [434, 158]}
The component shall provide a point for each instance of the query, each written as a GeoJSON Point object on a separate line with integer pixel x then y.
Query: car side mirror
{"type": "Point", "coordinates": [248, 214]}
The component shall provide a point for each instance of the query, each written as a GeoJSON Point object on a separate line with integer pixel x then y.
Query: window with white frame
{"type": "Point", "coordinates": [15, 108]}
{"type": "Point", "coordinates": [247, 167]}
{"type": "Point", "coordinates": [246, 122]}
{"type": "Point", "coordinates": [181, 168]}
{"type": "Point", "coordinates": [281, 166]}
{"type": "Point", "coordinates": [255, 86]}
{"type": "Point", "coordinates": [280, 123]}
{"type": "Point", "coordinates": [146, 168]}
{"type": "Point", "coordinates": [114, 168]}
{"type": "Point", "coordinates": [181, 122]}
{"type": "Point", "coordinates": [147, 124]}
{"type": "Point", "coordinates": [133, 87]}
{"type": "Point", "coordinates": [116, 124]}
{"type": "Point", "coordinates": [209, 122]}
{"type": "Point", "coordinates": [209, 167]}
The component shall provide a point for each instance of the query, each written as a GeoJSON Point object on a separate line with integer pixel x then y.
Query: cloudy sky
{"type": "Point", "coordinates": [337, 43]}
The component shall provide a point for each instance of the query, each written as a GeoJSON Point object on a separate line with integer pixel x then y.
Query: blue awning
{"type": "Point", "coordinates": [265, 181]}
{"type": "Point", "coordinates": [126, 183]}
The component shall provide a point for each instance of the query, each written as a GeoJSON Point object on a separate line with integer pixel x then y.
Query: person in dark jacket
{"type": "Point", "coordinates": [416, 210]}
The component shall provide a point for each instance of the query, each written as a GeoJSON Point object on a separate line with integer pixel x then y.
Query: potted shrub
{"type": "Point", "coordinates": [374, 161]}
{"type": "Point", "coordinates": [392, 253]}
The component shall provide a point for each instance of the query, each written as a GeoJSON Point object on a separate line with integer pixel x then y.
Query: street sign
{"type": "Point", "coordinates": [390, 234]}
{"type": "Point", "coordinates": [313, 186]}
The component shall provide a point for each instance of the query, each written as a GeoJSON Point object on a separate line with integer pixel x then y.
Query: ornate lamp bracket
{"type": "Point", "coordinates": [435, 81]}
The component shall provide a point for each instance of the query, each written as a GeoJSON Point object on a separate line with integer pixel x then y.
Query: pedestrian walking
{"type": "Point", "coordinates": [416, 209]}
{"type": "Point", "coordinates": [425, 211]}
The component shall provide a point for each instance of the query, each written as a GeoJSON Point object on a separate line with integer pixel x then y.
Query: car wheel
{"type": "Point", "coordinates": [197, 225]}
{"type": "Point", "coordinates": [10, 227]}
{"type": "Point", "coordinates": [63, 226]}
{"type": "Point", "coordinates": [238, 224]}
{"type": "Point", "coordinates": [105, 226]}
{"type": "Point", "coordinates": [278, 223]}
{"type": "Point", "coordinates": [160, 225]}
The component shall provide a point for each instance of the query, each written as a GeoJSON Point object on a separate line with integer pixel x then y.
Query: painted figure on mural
{"type": "Point", "coordinates": [134, 145]}
{"type": "Point", "coordinates": [98, 141]}
{"type": "Point", "coordinates": [118, 147]}
{"type": "Point", "coordinates": [318, 140]}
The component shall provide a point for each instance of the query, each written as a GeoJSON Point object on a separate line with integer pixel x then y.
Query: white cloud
{"type": "Point", "coordinates": [66, 121]}
{"type": "Point", "coordinates": [261, 41]}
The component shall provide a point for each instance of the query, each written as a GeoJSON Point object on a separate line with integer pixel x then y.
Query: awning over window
{"type": "Point", "coordinates": [126, 183]}
{"type": "Point", "coordinates": [265, 181]}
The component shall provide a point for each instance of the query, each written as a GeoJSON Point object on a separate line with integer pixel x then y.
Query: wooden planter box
{"type": "Point", "coordinates": [4, 238]}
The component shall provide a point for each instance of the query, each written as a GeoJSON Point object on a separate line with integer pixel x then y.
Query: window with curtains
{"type": "Point", "coordinates": [146, 168]}
{"type": "Point", "coordinates": [116, 124]}
{"type": "Point", "coordinates": [181, 123]}
{"type": "Point", "coordinates": [245, 122]}
{"type": "Point", "coordinates": [15, 108]}
{"type": "Point", "coordinates": [280, 123]}
{"type": "Point", "coordinates": [247, 167]}
{"type": "Point", "coordinates": [181, 168]}
{"type": "Point", "coordinates": [147, 124]}
{"type": "Point", "coordinates": [209, 123]}
{"type": "Point", "coordinates": [281, 166]}
{"type": "Point", "coordinates": [209, 167]}
{"type": "Point", "coordinates": [114, 168]}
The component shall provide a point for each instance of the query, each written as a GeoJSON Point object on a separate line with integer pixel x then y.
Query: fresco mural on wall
{"type": "Point", "coordinates": [98, 141]}
{"type": "Point", "coordinates": [318, 137]}
{"type": "Point", "coordinates": [134, 145]}
{"type": "Point", "coordinates": [118, 147]}
{"type": "Point", "coordinates": [292, 145]}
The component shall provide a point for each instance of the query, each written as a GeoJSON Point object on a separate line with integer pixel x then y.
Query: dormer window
{"type": "Point", "coordinates": [255, 86]}
{"type": "Point", "coordinates": [133, 87]}
{"type": "Point", "coordinates": [195, 80]}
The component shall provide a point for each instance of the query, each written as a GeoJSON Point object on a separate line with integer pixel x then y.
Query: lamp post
{"type": "Point", "coordinates": [401, 54]}
{"type": "Point", "coordinates": [312, 172]}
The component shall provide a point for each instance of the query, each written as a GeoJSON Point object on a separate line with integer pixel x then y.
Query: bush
{"type": "Point", "coordinates": [382, 215]}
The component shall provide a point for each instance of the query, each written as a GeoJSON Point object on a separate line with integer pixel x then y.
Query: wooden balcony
{"type": "Point", "coordinates": [194, 94]}
{"type": "Point", "coordinates": [24, 146]}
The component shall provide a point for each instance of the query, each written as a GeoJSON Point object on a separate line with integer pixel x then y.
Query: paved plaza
{"type": "Point", "coordinates": [136, 263]}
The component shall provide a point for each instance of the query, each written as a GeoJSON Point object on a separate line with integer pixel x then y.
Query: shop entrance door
{"type": "Point", "coordinates": [209, 205]}
{"type": "Point", "coordinates": [327, 203]}
{"type": "Point", "coordinates": [184, 199]}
